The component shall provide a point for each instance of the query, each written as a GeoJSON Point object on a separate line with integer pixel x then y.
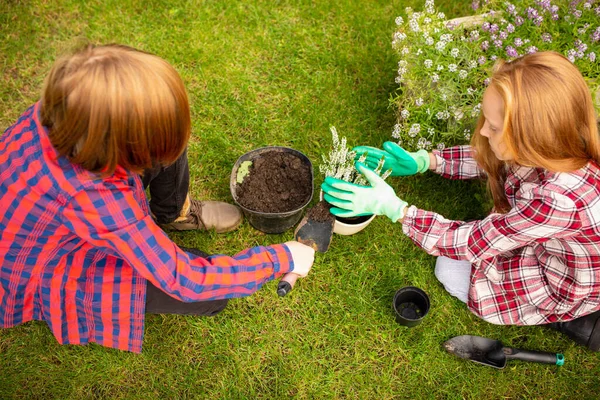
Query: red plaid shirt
{"type": "Point", "coordinates": [76, 250]}
{"type": "Point", "coordinates": [536, 264]}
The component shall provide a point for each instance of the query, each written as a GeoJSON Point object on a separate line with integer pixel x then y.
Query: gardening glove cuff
{"type": "Point", "coordinates": [395, 208]}
{"type": "Point", "coordinates": [421, 157]}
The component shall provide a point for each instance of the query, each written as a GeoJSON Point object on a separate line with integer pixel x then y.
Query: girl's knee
{"type": "Point", "coordinates": [441, 271]}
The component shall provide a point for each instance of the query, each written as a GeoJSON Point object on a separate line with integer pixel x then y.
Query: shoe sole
{"type": "Point", "coordinates": [170, 228]}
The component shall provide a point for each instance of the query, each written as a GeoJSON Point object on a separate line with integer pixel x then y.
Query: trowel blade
{"type": "Point", "coordinates": [316, 234]}
{"type": "Point", "coordinates": [478, 349]}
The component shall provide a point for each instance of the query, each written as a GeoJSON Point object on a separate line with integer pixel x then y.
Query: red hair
{"type": "Point", "coordinates": [113, 105]}
{"type": "Point", "coordinates": [549, 119]}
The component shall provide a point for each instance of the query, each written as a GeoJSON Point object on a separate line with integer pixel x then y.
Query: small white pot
{"type": "Point", "coordinates": [342, 228]}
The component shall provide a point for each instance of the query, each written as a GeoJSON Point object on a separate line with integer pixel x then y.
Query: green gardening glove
{"type": "Point", "coordinates": [400, 161]}
{"type": "Point", "coordinates": [351, 200]}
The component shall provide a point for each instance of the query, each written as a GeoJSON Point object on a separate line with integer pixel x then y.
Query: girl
{"type": "Point", "coordinates": [536, 258]}
{"type": "Point", "coordinates": [79, 247]}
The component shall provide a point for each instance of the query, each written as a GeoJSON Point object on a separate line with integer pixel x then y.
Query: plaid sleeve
{"type": "Point", "coordinates": [457, 163]}
{"type": "Point", "coordinates": [539, 214]}
{"type": "Point", "coordinates": [112, 219]}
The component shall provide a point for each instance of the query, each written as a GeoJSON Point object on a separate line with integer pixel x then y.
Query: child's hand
{"type": "Point", "coordinates": [351, 200]}
{"type": "Point", "coordinates": [400, 161]}
{"type": "Point", "coordinates": [303, 256]}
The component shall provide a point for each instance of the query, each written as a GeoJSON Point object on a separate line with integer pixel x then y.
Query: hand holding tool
{"type": "Point", "coordinates": [315, 230]}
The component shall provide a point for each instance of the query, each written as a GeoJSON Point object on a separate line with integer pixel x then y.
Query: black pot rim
{"type": "Point", "coordinates": [251, 155]}
{"type": "Point", "coordinates": [357, 221]}
{"type": "Point", "coordinates": [415, 291]}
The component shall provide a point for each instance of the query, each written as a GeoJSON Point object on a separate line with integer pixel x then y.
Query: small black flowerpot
{"type": "Point", "coordinates": [411, 305]}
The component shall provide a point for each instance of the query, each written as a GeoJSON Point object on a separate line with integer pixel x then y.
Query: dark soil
{"type": "Point", "coordinates": [320, 212]}
{"type": "Point", "coordinates": [277, 182]}
{"type": "Point", "coordinates": [410, 310]}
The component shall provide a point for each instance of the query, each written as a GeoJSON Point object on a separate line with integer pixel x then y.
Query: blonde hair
{"type": "Point", "coordinates": [114, 105]}
{"type": "Point", "coordinates": [549, 119]}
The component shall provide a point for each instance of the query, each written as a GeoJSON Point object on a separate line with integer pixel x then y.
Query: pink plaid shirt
{"type": "Point", "coordinates": [536, 264]}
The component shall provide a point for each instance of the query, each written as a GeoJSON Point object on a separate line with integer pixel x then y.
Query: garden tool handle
{"type": "Point", "coordinates": [534, 356]}
{"type": "Point", "coordinates": [286, 284]}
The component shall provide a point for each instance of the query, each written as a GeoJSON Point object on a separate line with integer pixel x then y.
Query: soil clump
{"type": "Point", "coordinates": [320, 212]}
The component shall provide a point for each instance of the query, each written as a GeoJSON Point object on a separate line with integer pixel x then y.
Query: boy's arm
{"type": "Point", "coordinates": [114, 221]}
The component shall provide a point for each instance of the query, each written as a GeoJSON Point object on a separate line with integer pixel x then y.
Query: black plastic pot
{"type": "Point", "coordinates": [263, 221]}
{"type": "Point", "coordinates": [411, 305]}
{"type": "Point", "coordinates": [354, 220]}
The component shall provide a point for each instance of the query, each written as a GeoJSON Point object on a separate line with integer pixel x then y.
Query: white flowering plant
{"type": "Point", "coordinates": [445, 66]}
{"type": "Point", "coordinates": [339, 163]}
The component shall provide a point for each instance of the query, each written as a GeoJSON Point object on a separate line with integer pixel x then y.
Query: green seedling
{"type": "Point", "coordinates": [243, 171]}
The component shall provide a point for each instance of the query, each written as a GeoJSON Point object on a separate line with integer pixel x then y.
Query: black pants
{"type": "Point", "coordinates": [168, 190]}
{"type": "Point", "coordinates": [158, 302]}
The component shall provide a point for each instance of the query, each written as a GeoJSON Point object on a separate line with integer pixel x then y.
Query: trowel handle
{"type": "Point", "coordinates": [534, 356]}
{"type": "Point", "coordinates": [286, 283]}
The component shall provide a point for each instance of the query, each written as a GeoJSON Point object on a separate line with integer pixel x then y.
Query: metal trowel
{"type": "Point", "coordinates": [492, 353]}
{"type": "Point", "coordinates": [315, 230]}
{"type": "Point", "coordinates": [316, 234]}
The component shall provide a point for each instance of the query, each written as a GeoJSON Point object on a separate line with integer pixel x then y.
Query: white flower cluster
{"type": "Point", "coordinates": [396, 131]}
{"type": "Point", "coordinates": [414, 130]}
{"type": "Point", "coordinates": [340, 162]}
{"type": "Point", "coordinates": [429, 7]}
{"type": "Point", "coordinates": [401, 69]}
{"type": "Point", "coordinates": [442, 114]}
{"type": "Point", "coordinates": [423, 143]}
{"type": "Point", "coordinates": [458, 113]}
{"type": "Point", "coordinates": [441, 45]}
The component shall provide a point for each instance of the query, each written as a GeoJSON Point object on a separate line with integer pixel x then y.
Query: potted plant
{"type": "Point", "coordinates": [272, 185]}
{"type": "Point", "coordinates": [339, 163]}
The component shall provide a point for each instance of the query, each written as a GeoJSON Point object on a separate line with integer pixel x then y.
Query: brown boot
{"type": "Point", "coordinates": [206, 215]}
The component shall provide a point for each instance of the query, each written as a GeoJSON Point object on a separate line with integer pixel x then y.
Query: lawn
{"type": "Point", "coordinates": [275, 73]}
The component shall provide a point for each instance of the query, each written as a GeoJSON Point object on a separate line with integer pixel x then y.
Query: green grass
{"type": "Point", "coordinates": [275, 73]}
